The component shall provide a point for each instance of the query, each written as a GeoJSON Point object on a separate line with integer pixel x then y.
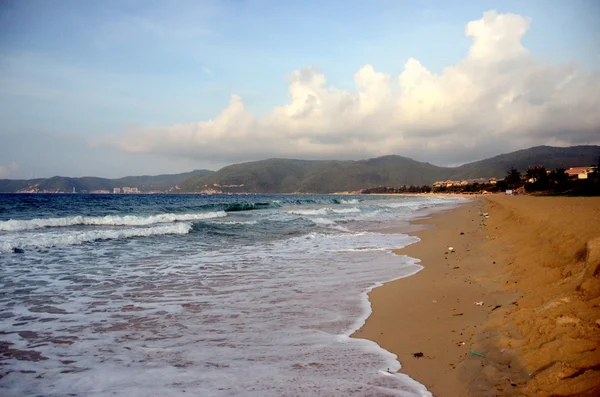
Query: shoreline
{"type": "Point", "coordinates": [481, 295]}
{"type": "Point", "coordinates": [407, 329]}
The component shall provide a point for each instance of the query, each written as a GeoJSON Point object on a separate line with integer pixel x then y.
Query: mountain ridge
{"type": "Point", "coordinates": [280, 175]}
{"type": "Point", "coordinates": [62, 184]}
{"type": "Point", "coordinates": [277, 175]}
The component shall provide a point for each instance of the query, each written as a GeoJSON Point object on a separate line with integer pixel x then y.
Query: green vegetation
{"type": "Point", "coordinates": [538, 179]}
{"type": "Point", "coordinates": [289, 176]}
{"type": "Point", "coordinates": [551, 157]}
{"type": "Point", "coordinates": [513, 179]}
{"type": "Point", "coordinates": [394, 173]}
{"type": "Point", "coordinates": [322, 176]}
{"type": "Point", "coordinates": [89, 184]}
{"type": "Point", "coordinates": [397, 190]}
{"type": "Point", "coordinates": [470, 188]}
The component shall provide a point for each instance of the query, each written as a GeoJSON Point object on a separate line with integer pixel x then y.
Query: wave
{"type": "Point", "coordinates": [350, 201]}
{"type": "Point", "coordinates": [362, 249]}
{"type": "Point", "coordinates": [345, 210]}
{"type": "Point", "coordinates": [236, 222]}
{"type": "Point", "coordinates": [320, 211]}
{"type": "Point", "coordinates": [416, 205]}
{"type": "Point", "coordinates": [248, 206]}
{"type": "Point", "coordinates": [324, 211]}
{"type": "Point", "coordinates": [53, 239]}
{"type": "Point", "coordinates": [108, 220]}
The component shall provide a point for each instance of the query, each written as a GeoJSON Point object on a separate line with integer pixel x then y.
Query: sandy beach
{"type": "Point", "coordinates": [512, 308]}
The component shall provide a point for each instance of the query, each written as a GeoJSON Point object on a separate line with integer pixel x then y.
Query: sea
{"type": "Point", "coordinates": [200, 295]}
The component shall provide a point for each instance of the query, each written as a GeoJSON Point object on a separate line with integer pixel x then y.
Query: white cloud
{"type": "Point", "coordinates": [8, 170]}
{"type": "Point", "coordinates": [498, 98]}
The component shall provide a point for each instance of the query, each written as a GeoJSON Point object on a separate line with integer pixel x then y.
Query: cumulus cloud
{"type": "Point", "coordinates": [8, 170]}
{"type": "Point", "coordinates": [499, 98]}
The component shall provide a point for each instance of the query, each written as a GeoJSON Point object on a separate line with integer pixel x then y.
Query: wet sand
{"type": "Point", "coordinates": [520, 287]}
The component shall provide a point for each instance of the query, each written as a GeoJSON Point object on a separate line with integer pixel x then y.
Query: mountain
{"type": "Point", "coordinates": [146, 183]}
{"type": "Point", "coordinates": [327, 176]}
{"type": "Point", "coordinates": [318, 176]}
{"type": "Point", "coordinates": [548, 156]}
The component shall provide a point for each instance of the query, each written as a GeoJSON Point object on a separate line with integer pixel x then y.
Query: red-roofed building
{"type": "Point", "coordinates": [578, 172]}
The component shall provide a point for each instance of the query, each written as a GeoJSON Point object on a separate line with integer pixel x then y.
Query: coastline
{"type": "Point", "coordinates": [487, 296]}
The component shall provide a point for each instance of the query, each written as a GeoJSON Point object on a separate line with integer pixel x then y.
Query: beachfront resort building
{"type": "Point", "coordinates": [579, 172]}
{"type": "Point", "coordinates": [481, 181]}
{"type": "Point", "coordinates": [130, 190]}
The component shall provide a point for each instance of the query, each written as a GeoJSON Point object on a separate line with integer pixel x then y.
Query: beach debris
{"type": "Point", "coordinates": [386, 373]}
{"type": "Point", "coordinates": [461, 343]}
{"type": "Point", "coordinates": [513, 384]}
{"type": "Point", "coordinates": [16, 250]}
{"type": "Point", "coordinates": [461, 233]}
{"type": "Point", "coordinates": [457, 314]}
{"type": "Point", "coordinates": [418, 355]}
{"type": "Point", "coordinates": [451, 249]}
{"type": "Point", "coordinates": [496, 307]}
{"type": "Point", "coordinates": [480, 303]}
{"type": "Point", "coordinates": [434, 301]}
{"type": "Point", "coordinates": [476, 354]}
{"type": "Point", "coordinates": [566, 319]}
{"type": "Point", "coordinates": [456, 267]}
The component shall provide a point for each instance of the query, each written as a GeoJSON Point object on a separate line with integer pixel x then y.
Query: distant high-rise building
{"type": "Point", "coordinates": [130, 190]}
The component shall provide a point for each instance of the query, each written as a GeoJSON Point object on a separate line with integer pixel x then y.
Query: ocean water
{"type": "Point", "coordinates": [203, 295]}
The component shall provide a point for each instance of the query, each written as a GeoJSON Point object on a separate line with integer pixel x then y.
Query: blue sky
{"type": "Point", "coordinates": [76, 73]}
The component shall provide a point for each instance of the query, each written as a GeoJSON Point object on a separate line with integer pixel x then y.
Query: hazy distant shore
{"type": "Point", "coordinates": [519, 287]}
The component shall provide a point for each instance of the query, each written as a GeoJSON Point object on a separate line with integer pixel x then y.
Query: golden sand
{"type": "Point", "coordinates": [520, 287]}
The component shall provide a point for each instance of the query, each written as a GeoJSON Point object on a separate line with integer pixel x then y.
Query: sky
{"type": "Point", "coordinates": [115, 88]}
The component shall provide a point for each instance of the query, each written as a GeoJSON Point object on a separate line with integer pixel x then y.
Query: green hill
{"type": "Point", "coordinates": [548, 156]}
{"type": "Point", "coordinates": [63, 184]}
{"type": "Point", "coordinates": [327, 176]}
{"type": "Point", "coordinates": [319, 176]}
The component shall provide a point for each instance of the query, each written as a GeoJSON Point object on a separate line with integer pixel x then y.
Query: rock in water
{"type": "Point", "coordinates": [18, 250]}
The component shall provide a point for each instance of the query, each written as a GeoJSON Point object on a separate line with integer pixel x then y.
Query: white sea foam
{"type": "Point", "coordinates": [53, 239]}
{"type": "Point", "coordinates": [362, 249]}
{"type": "Point", "coordinates": [329, 223]}
{"type": "Point", "coordinates": [404, 204]}
{"type": "Point", "coordinates": [350, 201]}
{"type": "Point", "coordinates": [324, 211]}
{"type": "Point", "coordinates": [236, 222]}
{"type": "Point", "coordinates": [320, 211]}
{"type": "Point", "coordinates": [424, 202]}
{"type": "Point", "coordinates": [108, 220]}
{"type": "Point", "coordinates": [161, 317]}
{"type": "Point", "coordinates": [208, 324]}
{"type": "Point", "coordinates": [323, 221]}
{"type": "Point", "coordinates": [345, 210]}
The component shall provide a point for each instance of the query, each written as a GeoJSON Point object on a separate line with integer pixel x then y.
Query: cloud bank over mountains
{"type": "Point", "coordinates": [499, 98]}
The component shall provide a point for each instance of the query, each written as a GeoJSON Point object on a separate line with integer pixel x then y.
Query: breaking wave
{"type": "Point", "coordinates": [108, 220]}
{"type": "Point", "coordinates": [324, 211]}
{"type": "Point", "coordinates": [53, 239]}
